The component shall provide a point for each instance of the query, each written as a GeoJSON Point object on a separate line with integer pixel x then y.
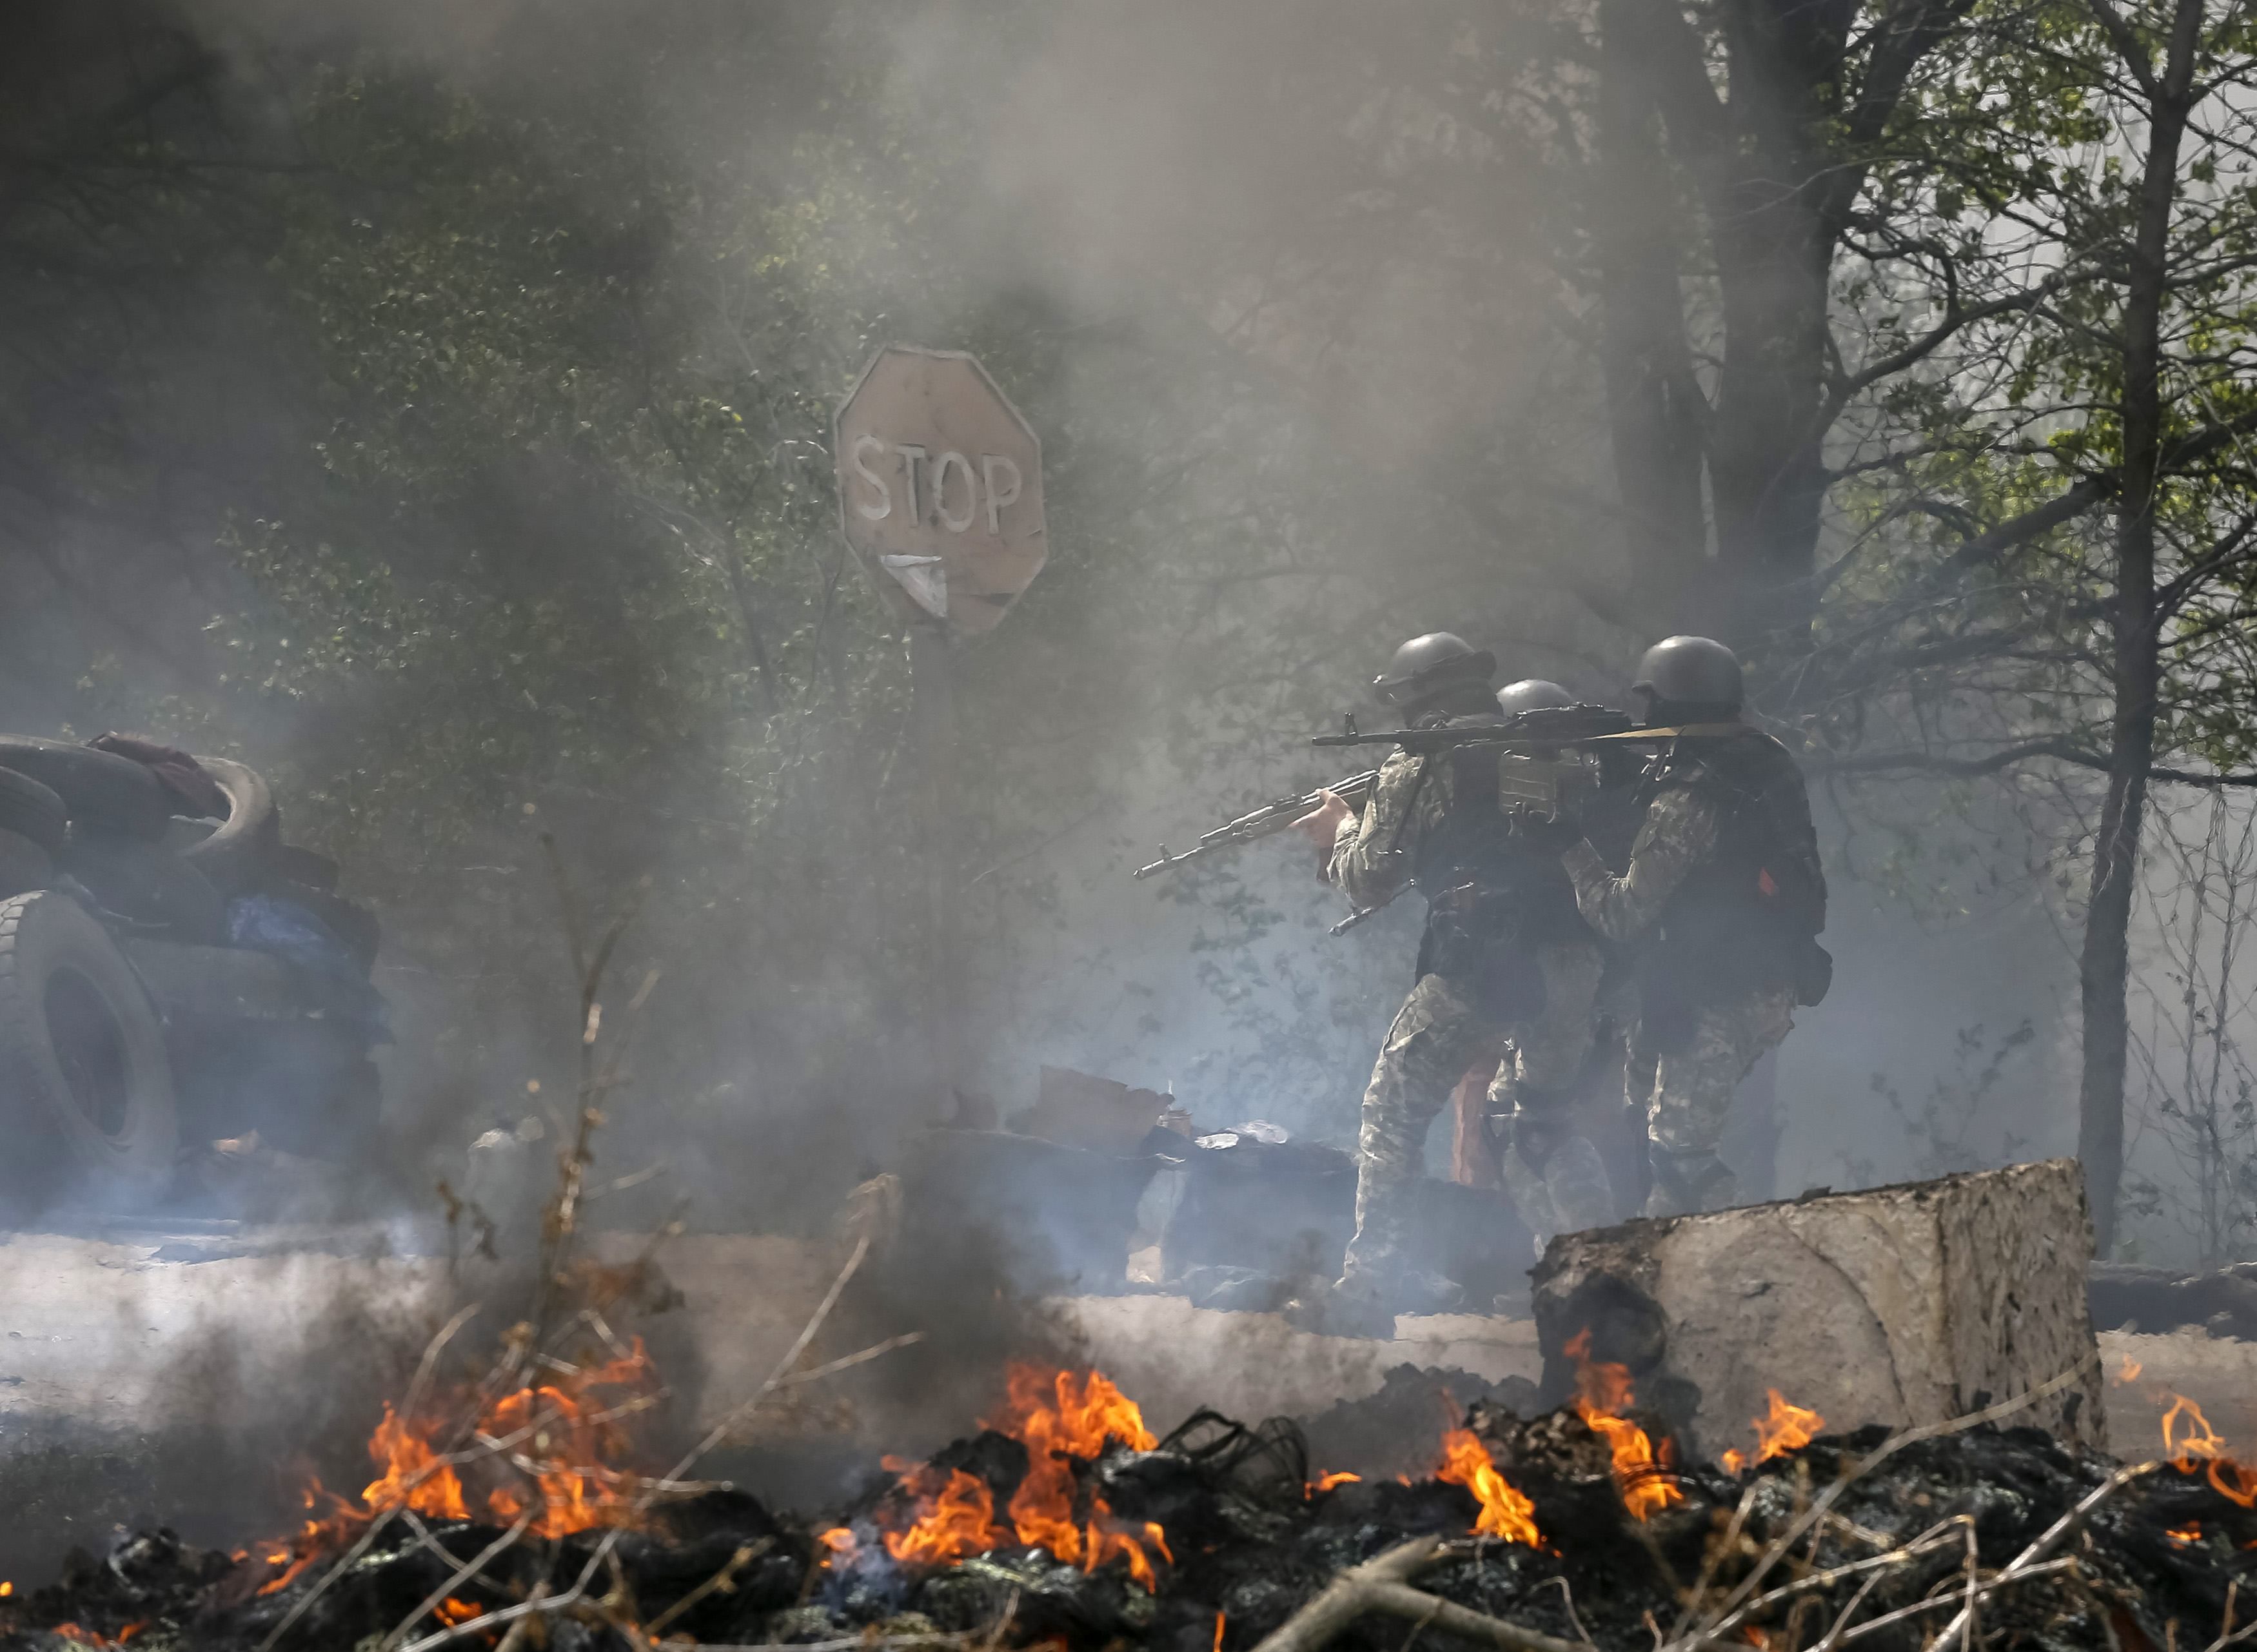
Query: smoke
{"type": "Point", "coordinates": [200, 1396]}
{"type": "Point", "coordinates": [479, 493]}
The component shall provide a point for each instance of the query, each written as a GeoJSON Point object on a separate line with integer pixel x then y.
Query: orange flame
{"type": "Point", "coordinates": [561, 1437]}
{"type": "Point", "coordinates": [2129, 1371]}
{"type": "Point", "coordinates": [451, 1612]}
{"type": "Point", "coordinates": [2244, 1477]}
{"type": "Point", "coordinates": [1325, 1482]}
{"type": "Point", "coordinates": [2181, 1536]}
{"type": "Point", "coordinates": [1603, 1394]}
{"type": "Point", "coordinates": [2199, 1443]}
{"type": "Point", "coordinates": [954, 1520]}
{"type": "Point", "coordinates": [1504, 1512]}
{"type": "Point", "coordinates": [1789, 1428]}
{"type": "Point", "coordinates": [1219, 1621]}
{"type": "Point", "coordinates": [1058, 1417]}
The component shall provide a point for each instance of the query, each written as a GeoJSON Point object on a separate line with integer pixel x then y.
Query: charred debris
{"type": "Point", "coordinates": [514, 1508]}
{"type": "Point", "coordinates": [1535, 1529]}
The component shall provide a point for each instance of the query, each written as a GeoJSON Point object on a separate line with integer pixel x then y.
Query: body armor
{"type": "Point", "coordinates": [1492, 894]}
{"type": "Point", "coordinates": [1748, 917]}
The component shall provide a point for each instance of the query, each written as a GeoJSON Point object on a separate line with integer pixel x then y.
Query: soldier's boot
{"type": "Point", "coordinates": [1557, 1180]}
{"type": "Point", "coordinates": [1575, 1178]}
{"type": "Point", "coordinates": [1687, 1182]}
{"type": "Point", "coordinates": [1526, 1186]}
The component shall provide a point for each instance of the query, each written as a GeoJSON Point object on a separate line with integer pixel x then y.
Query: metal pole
{"type": "Point", "coordinates": [932, 687]}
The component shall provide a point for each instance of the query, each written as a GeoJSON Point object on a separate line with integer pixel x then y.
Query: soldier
{"type": "Point", "coordinates": [1505, 968]}
{"type": "Point", "coordinates": [1725, 897]}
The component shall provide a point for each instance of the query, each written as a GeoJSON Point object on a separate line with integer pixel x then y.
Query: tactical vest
{"type": "Point", "coordinates": [1492, 896]}
{"type": "Point", "coordinates": [1747, 917]}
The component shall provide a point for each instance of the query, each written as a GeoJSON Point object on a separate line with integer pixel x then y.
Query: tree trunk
{"type": "Point", "coordinates": [1655, 409]}
{"type": "Point", "coordinates": [2105, 961]}
{"type": "Point", "coordinates": [1765, 470]}
{"type": "Point", "coordinates": [1775, 260]}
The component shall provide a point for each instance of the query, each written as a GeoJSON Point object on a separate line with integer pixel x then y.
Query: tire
{"type": "Point", "coordinates": [350, 923]}
{"type": "Point", "coordinates": [306, 866]}
{"type": "Point", "coordinates": [24, 866]}
{"type": "Point", "coordinates": [83, 1075]}
{"type": "Point", "coordinates": [310, 1089]}
{"type": "Point", "coordinates": [32, 810]}
{"type": "Point", "coordinates": [234, 855]}
{"type": "Point", "coordinates": [105, 794]}
{"type": "Point", "coordinates": [151, 886]}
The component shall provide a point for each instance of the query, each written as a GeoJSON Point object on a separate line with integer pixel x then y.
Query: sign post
{"type": "Point", "coordinates": [940, 497]}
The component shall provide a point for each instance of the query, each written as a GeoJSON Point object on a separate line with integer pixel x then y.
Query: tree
{"type": "Point", "coordinates": [1726, 378]}
{"type": "Point", "coordinates": [2083, 602]}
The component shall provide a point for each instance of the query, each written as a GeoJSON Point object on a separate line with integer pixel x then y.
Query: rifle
{"type": "Point", "coordinates": [1265, 821]}
{"type": "Point", "coordinates": [1549, 765]}
{"type": "Point", "coordinates": [1551, 725]}
{"type": "Point", "coordinates": [1361, 912]}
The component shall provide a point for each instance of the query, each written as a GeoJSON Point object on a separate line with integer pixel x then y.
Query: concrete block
{"type": "Point", "coordinates": [1899, 1305]}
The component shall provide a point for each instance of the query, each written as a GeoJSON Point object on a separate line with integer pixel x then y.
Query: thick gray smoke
{"type": "Point", "coordinates": [440, 427]}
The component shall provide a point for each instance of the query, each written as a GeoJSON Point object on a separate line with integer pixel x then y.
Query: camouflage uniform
{"type": "Point", "coordinates": [1720, 1001]}
{"type": "Point", "coordinates": [1452, 1022]}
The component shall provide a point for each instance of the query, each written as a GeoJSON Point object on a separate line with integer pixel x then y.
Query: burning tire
{"type": "Point", "coordinates": [84, 1070]}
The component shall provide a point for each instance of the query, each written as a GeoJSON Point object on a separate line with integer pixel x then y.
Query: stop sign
{"type": "Point", "coordinates": [940, 486]}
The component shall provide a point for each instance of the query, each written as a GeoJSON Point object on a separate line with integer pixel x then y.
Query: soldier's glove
{"type": "Point", "coordinates": [1547, 836]}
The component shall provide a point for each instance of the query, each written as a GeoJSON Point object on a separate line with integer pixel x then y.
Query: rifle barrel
{"type": "Point", "coordinates": [1265, 821]}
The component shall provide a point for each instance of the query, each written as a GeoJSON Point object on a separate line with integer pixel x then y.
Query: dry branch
{"type": "Point", "coordinates": [778, 1379]}
{"type": "Point", "coordinates": [723, 1582]}
{"type": "Point", "coordinates": [466, 1570]}
{"type": "Point", "coordinates": [1382, 1584]}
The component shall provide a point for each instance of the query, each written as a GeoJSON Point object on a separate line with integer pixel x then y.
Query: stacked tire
{"type": "Point", "coordinates": [83, 1059]}
{"type": "Point", "coordinates": [83, 1063]}
{"type": "Point", "coordinates": [92, 1079]}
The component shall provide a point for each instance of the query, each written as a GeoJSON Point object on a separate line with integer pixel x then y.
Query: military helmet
{"type": "Point", "coordinates": [1531, 694]}
{"type": "Point", "coordinates": [1690, 671]}
{"type": "Point", "coordinates": [1427, 665]}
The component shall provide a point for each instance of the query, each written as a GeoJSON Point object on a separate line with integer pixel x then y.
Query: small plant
{"type": "Point", "coordinates": [1940, 1133]}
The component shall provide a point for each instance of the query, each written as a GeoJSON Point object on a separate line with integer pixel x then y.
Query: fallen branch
{"type": "Point", "coordinates": [1724, 1630]}
{"type": "Point", "coordinates": [1823, 1503]}
{"type": "Point", "coordinates": [779, 1378]}
{"type": "Point", "coordinates": [474, 1567]}
{"type": "Point", "coordinates": [722, 1581]}
{"type": "Point", "coordinates": [1842, 1623]}
{"type": "Point", "coordinates": [1874, 1626]}
{"type": "Point", "coordinates": [852, 1644]}
{"type": "Point", "coordinates": [522, 1629]}
{"type": "Point", "coordinates": [2025, 1564]}
{"type": "Point", "coordinates": [1382, 1584]}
